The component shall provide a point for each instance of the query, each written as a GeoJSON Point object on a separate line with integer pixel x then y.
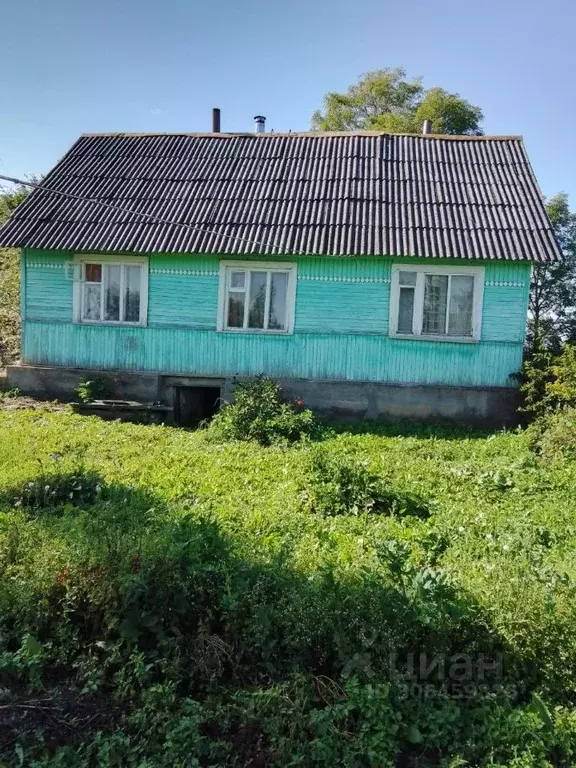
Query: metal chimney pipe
{"type": "Point", "coordinates": [427, 127]}
{"type": "Point", "coordinates": [215, 120]}
{"type": "Point", "coordinates": [259, 124]}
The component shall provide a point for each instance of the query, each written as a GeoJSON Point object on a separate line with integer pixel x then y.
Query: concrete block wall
{"type": "Point", "coordinates": [333, 400]}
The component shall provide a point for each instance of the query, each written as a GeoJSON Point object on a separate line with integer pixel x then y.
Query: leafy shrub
{"type": "Point", "coordinates": [549, 382]}
{"type": "Point", "coordinates": [549, 393]}
{"type": "Point", "coordinates": [561, 391]}
{"type": "Point", "coordinates": [92, 389]}
{"type": "Point", "coordinates": [536, 374]}
{"type": "Point", "coordinates": [10, 283]}
{"type": "Point", "coordinates": [258, 413]}
{"type": "Point", "coordinates": [9, 305]}
{"type": "Point", "coordinates": [340, 484]}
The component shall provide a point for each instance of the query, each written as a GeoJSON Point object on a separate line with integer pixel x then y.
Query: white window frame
{"type": "Point", "coordinates": [421, 270]}
{"type": "Point", "coordinates": [226, 268]}
{"type": "Point", "coordinates": [80, 260]}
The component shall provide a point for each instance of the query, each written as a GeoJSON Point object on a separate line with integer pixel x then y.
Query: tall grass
{"type": "Point", "coordinates": [368, 599]}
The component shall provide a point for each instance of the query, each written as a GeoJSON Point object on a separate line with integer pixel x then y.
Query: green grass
{"type": "Point", "coordinates": [181, 602]}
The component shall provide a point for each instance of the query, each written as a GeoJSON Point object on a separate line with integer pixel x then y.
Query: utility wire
{"type": "Point", "coordinates": [150, 216]}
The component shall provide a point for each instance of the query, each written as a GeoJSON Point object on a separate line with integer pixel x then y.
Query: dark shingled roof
{"type": "Point", "coordinates": [314, 193]}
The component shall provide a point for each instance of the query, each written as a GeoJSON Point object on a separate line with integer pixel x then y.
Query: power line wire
{"type": "Point", "coordinates": [151, 216]}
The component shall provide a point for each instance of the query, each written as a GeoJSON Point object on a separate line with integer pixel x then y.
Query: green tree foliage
{"type": "Point", "coordinates": [549, 381]}
{"type": "Point", "coordinates": [385, 100]}
{"type": "Point", "coordinates": [552, 318]}
{"type": "Point", "coordinates": [9, 283]}
{"type": "Point", "coordinates": [10, 199]}
{"type": "Point", "coordinates": [448, 113]}
{"type": "Point", "coordinates": [535, 377]}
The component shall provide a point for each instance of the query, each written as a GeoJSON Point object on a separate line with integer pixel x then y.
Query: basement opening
{"type": "Point", "coordinates": [195, 404]}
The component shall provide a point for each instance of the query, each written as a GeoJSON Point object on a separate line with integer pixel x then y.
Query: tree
{"type": "Point", "coordinates": [9, 283]}
{"type": "Point", "coordinates": [384, 100]}
{"type": "Point", "coordinates": [448, 113]}
{"type": "Point", "coordinates": [552, 306]}
{"type": "Point", "coordinates": [10, 199]}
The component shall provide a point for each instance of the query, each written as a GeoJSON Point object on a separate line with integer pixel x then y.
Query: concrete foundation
{"type": "Point", "coordinates": [333, 400]}
{"type": "Point", "coordinates": [361, 400]}
{"type": "Point", "coordinates": [60, 383]}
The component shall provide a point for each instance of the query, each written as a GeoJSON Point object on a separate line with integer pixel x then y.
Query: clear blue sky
{"type": "Point", "coordinates": [74, 66]}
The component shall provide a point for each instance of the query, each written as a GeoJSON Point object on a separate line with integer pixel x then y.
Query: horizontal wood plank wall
{"type": "Point", "coordinates": [341, 326]}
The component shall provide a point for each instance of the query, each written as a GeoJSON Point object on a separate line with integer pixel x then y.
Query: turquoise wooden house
{"type": "Point", "coordinates": [374, 275]}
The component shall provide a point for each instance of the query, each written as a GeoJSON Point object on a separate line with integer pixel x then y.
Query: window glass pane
{"type": "Point", "coordinates": [257, 299]}
{"type": "Point", "coordinates": [132, 277]}
{"type": "Point", "coordinates": [91, 302]}
{"type": "Point", "coordinates": [407, 278]}
{"type": "Point", "coordinates": [237, 279]}
{"type": "Point", "coordinates": [93, 273]}
{"type": "Point", "coordinates": [405, 310]}
{"type": "Point", "coordinates": [278, 291]}
{"type": "Point", "coordinates": [236, 310]}
{"type": "Point", "coordinates": [461, 303]}
{"type": "Point", "coordinates": [112, 292]}
{"type": "Point", "coordinates": [435, 298]}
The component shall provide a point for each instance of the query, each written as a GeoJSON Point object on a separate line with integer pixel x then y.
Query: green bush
{"type": "Point", "coordinates": [549, 392]}
{"type": "Point", "coordinates": [549, 382]}
{"type": "Point", "coordinates": [259, 413]}
{"type": "Point", "coordinates": [10, 283]}
{"type": "Point", "coordinates": [9, 305]}
{"type": "Point", "coordinates": [561, 391]}
{"type": "Point", "coordinates": [92, 389]}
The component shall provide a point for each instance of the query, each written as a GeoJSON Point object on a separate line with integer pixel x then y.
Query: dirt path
{"type": "Point", "coordinates": [20, 403]}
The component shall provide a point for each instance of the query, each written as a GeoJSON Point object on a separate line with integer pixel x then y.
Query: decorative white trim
{"type": "Point", "coordinates": [281, 266]}
{"type": "Point", "coordinates": [506, 283]}
{"type": "Point", "coordinates": [421, 270]}
{"type": "Point", "coordinates": [326, 279]}
{"type": "Point", "coordinates": [195, 272]}
{"type": "Point", "coordinates": [42, 265]}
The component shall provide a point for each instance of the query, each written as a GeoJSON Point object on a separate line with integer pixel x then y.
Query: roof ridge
{"type": "Point", "coordinates": [303, 134]}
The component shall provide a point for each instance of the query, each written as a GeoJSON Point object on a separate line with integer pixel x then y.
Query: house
{"type": "Point", "coordinates": [374, 275]}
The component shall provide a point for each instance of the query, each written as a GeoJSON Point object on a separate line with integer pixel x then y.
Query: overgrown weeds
{"type": "Point", "coordinates": [343, 484]}
{"type": "Point", "coordinates": [52, 490]}
{"type": "Point", "coordinates": [187, 604]}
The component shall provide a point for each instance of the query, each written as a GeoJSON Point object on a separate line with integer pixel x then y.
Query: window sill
{"type": "Point", "coordinates": [255, 331]}
{"type": "Point", "coordinates": [449, 339]}
{"type": "Point", "coordinates": [110, 323]}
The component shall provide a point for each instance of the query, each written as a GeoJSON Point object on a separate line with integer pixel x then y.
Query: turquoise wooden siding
{"type": "Point", "coordinates": [48, 293]}
{"type": "Point", "coordinates": [330, 356]}
{"type": "Point", "coordinates": [341, 326]}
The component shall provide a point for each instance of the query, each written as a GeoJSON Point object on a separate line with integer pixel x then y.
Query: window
{"type": "Point", "coordinates": [110, 290]}
{"type": "Point", "coordinates": [257, 297]}
{"type": "Point", "coordinates": [440, 303]}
